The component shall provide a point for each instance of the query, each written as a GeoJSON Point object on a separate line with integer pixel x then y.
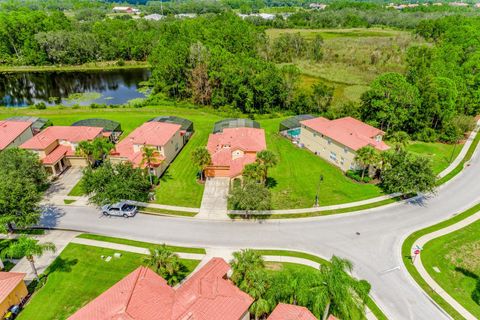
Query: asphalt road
{"type": "Point", "coordinates": [372, 239]}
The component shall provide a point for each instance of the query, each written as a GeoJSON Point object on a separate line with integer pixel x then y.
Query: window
{"type": "Point", "coordinates": [329, 141]}
{"type": "Point", "coordinates": [345, 150]}
{"type": "Point", "coordinates": [333, 156]}
{"type": "Point", "coordinates": [342, 160]}
{"type": "Point", "coordinates": [314, 134]}
{"type": "Point", "coordinates": [176, 147]}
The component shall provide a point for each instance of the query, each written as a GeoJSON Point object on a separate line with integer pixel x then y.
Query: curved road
{"type": "Point", "coordinates": [372, 239]}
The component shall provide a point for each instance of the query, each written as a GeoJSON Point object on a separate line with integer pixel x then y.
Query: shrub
{"type": "Point", "coordinates": [427, 135]}
{"type": "Point", "coordinates": [357, 176]}
{"type": "Point", "coordinates": [40, 106]}
{"type": "Point", "coordinates": [120, 62]}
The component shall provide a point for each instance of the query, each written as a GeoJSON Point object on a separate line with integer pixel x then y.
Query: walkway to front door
{"type": "Point", "coordinates": [214, 201]}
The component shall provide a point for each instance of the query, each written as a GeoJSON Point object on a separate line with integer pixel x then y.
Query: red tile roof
{"type": "Point", "coordinates": [291, 312]}
{"type": "Point", "coordinates": [155, 134]}
{"type": "Point", "coordinates": [71, 134]}
{"type": "Point", "coordinates": [144, 295]}
{"type": "Point", "coordinates": [57, 154]}
{"type": "Point", "coordinates": [8, 282]}
{"type": "Point", "coordinates": [11, 130]}
{"type": "Point", "coordinates": [348, 131]}
{"type": "Point", "coordinates": [222, 144]}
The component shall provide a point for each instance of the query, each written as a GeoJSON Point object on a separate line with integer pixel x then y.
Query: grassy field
{"type": "Point", "coordinates": [76, 277]}
{"type": "Point", "coordinates": [353, 58]}
{"type": "Point", "coordinates": [295, 179]}
{"type": "Point", "coordinates": [406, 257]}
{"type": "Point", "coordinates": [441, 154]}
{"type": "Point", "coordinates": [457, 256]}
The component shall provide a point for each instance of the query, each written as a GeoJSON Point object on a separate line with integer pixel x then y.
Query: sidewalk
{"type": "Point", "coordinates": [426, 276]}
{"type": "Point", "coordinates": [60, 238]}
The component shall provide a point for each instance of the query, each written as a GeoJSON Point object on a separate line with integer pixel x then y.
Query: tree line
{"type": "Point", "coordinates": [41, 37]}
{"type": "Point", "coordinates": [439, 94]}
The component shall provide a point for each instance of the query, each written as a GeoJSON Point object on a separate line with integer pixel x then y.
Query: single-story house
{"type": "Point", "coordinates": [165, 138]}
{"type": "Point", "coordinates": [12, 290]}
{"type": "Point", "coordinates": [285, 311]}
{"type": "Point", "coordinates": [56, 146]}
{"type": "Point", "coordinates": [338, 140]}
{"type": "Point", "coordinates": [186, 125]}
{"type": "Point", "coordinates": [110, 129]}
{"type": "Point", "coordinates": [208, 294]}
{"type": "Point", "coordinates": [38, 124]}
{"type": "Point", "coordinates": [232, 149]}
{"type": "Point", "coordinates": [14, 133]}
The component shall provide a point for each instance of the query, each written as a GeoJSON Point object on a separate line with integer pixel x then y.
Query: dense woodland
{"type": "Point", "coordinates": [218, 59]}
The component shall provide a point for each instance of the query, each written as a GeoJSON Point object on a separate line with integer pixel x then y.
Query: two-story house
{"type": "Point", "coordinates": [338, 140]}
{"type": "Point", "coordinates": [232, 149]}
{"type": "Point", "coordinates": [14, 133]}
{"type": "Point", "coordinates": [165, 138]}
{"type": "Point", "coordinates": [56, 146]}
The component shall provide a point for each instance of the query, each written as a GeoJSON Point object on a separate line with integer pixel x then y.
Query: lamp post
{"type": "Point", "coordinates": [318, 190]}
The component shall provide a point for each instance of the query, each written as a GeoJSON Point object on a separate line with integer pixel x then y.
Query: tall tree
{"type": "Point", "coordinates": [322, 96]}
{"type": "Point", "coordinates": [28, 247]}
{"type": "Point", "coordinates": [94, 150]}
{"type": "Point", "coordinates": [115, 182]}
{"type": "Point", "coordinates": [150, 158]}
{"type": "Point", "coordinates": [406, 173]}
{"type": "Point", "coordinates": [253, 172]}
{"type": "Point", "coordinates": [23, 181]}
{"type": "Point", "coordinates": [266, 160]}
{"type": "Point", "coordinates": [367, 156]}
{"type": "Point", "coordinates": [391, 104]}
{"type": "Point", "coordinates": [344, 295]}
{"type": "Point", "coordinates": [201, 157]}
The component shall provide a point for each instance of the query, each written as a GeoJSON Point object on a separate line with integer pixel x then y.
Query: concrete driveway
{"type": "Point", "coordinates": [215, 198]}
{"type": "Point", "coordinates": [64, 183]}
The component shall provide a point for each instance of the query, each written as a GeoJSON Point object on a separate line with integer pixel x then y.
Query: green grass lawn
{"type": "Point", "coordinates": [138, 243]}
{"type": "Point", "coordinates": [76, 277]}
{"type": "Point", "coordinates": [441, 154]}
{"type": "Point", "coordinates": [295, 178]}
{"type": "Point", "coordinates": [297, 174]}
{"type": "Point", "coordinates": [77, 190]}
{"type": "Point", "coordinates": [457, 256]}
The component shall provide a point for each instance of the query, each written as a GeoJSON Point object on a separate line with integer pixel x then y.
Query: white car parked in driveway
{"type": "Point", "coordinates": [121, 209]}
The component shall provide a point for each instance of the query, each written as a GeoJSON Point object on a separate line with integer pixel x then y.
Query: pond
{"type": "Point", "coordinates": [20, 89]}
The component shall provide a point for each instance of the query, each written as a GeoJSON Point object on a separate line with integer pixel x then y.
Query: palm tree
{"type": "Point", "coordinates": [344, 295]}
{"type": "Point", "coordinates": [400, 140]}
{"type": "Point", "coordinates": [366, 156]}
{"type": "Point", "coordinates": [85, 149]}
{"type": "Point", "coordinates": [256, 285]}
{"type": "Point", "coordinates": [252, 172]}
{"type": "Point", "coordinates": [149, 159]}
{"type": "Point", "coordinates": [201, 157]}
{"type": "Point", "coordinates": [267, 159]}
{"type": "Point", "coordinates": [245, 261]}
{"type": "Point", "coordinates": [165, 263]}
{"type": "Point", "coordinates": [28, 247]}
{"type": "Point", "coordinates": [101, 147]}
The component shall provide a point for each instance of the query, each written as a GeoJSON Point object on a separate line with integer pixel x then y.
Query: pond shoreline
{"type": "Point", "coordinates": [98, 66]}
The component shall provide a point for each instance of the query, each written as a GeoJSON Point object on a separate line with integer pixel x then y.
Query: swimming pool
{"type": "Point", "coordinates": [294, 133]}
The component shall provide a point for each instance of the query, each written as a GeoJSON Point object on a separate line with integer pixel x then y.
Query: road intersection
{"type": "Point", "coordinates": [372, 239]}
